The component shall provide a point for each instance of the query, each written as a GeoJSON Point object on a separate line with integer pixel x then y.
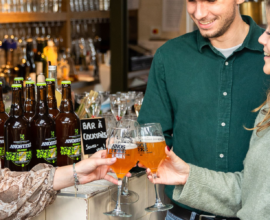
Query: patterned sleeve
{"type": "Point", "coordinates": [24, 195]}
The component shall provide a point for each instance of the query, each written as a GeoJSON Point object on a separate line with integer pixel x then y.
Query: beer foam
{"type": "Point", "coordinates": [127, 146]}
{"type": "Point", "coordinates": [151, 139]}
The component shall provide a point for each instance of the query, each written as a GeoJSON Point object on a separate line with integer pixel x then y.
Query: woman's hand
{"type": "Point", "coordinates": [88, 170]}
{"type": "Point", "coordinates": [171, 171]}
{"type": "Point", "coordinates": [95, 168]}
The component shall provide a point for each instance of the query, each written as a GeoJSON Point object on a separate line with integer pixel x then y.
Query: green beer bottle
{"type": "Point", "coordinates": [18, 141]}
{"type": "Point", "coordinates": [68, 130]}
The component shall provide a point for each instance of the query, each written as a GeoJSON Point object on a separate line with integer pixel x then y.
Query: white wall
{"type": "Point", "coordinates": [150, 14]}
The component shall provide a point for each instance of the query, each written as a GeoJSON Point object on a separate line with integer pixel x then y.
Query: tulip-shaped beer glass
{"type": "Point", "coordinates": [122, 145]}
{"type": "Point", "coordinates": [151, 151]}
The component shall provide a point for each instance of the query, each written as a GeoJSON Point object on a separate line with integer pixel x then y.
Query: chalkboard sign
{"type": "Point", "coordinates": [93, 135]}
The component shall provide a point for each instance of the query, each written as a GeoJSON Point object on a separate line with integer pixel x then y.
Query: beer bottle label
{"type": "Point", "coordinates": [72, 147]}
{"type": "Point", "coordinates": [49, 151]}
{"type": "Point", "coordinates": [2, 147]}
{"type": "Point", "coordinates": [21, 154]}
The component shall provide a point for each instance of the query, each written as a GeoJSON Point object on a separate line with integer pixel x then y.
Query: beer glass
{"type": "Point", "coordinates": [127, 196]}
{"type": "Point", "coordinates": [122, 145]}
{"type": "Point", "coordinates": [151, 151]}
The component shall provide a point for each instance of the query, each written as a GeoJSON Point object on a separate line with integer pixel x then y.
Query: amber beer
{"type": "Point", "coordinates": [68, 130]}
{"type": "Point", "coordinates": [151, 151]}
{"type": "Point", "coordinates": [19, 80]}
{"type": "Point", "coordinates": [30, 102]}
{"type": "Point", "coordinates": [44, 130]}
{"type": "Point", "coordinates": [126, 155]}
{"type": "Point", "coordinates": [51, 100]}
{"type": "Point", "coordinates": [3, 118]}
{"type": "Point", "coordinates": [18, 142]}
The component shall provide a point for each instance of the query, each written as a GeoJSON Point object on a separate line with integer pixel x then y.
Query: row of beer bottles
{"type": "Point", "coordinates": [29, 135]}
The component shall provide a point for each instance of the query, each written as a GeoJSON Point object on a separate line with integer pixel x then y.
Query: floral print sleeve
{"type": "Point", "coordinates": [24, 195]}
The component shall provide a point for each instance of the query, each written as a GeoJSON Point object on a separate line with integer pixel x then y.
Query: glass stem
{"type": "Point", "coordinates": [125, 186]}
{"type": "Point", "coordinates": [158, 201]}
{"type": "Point", "coordinates": [118, 203]}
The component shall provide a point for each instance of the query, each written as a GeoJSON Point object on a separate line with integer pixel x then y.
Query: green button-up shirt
{"type": "Point", "coordinates": [203, 100]}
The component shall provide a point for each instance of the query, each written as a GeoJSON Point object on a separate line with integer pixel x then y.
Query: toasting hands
{"type": "Point", "coordinates": [171, 171]}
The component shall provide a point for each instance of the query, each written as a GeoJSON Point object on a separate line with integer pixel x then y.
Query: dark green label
{"type": "Point", "coordinates": [2, 151]}
{"type": "Point", "coordinates": [48, 150]}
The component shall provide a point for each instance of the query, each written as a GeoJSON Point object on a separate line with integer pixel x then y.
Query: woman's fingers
{"type": "Point", "coordinates": [108, 161]}
{"type": "Point", "coordinates": [111, 179]}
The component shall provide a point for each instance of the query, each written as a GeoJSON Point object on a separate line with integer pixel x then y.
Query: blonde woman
{"type": "Point", "coordinates": [245, 194]}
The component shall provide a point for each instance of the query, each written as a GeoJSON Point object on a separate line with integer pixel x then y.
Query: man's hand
{"type": "Point", "coordinates": [171, 171]}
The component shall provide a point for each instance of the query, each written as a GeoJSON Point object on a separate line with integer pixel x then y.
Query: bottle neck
{"type": "Point", "coordinates": [66, 103]}
{"type": "Point", "coordinates": [30, 102]}
{"type": "Point", "coordinates": [2, 105]}
{"type": "Point", "coordinates": [41, 106]}
{"type": "Point", "coordinates": [51, 100]}
{"type": "Point", "coordinates": [16, 106]}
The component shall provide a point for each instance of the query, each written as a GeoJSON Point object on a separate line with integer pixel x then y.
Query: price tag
{"type": "Point", "coordinates": [93, 134]}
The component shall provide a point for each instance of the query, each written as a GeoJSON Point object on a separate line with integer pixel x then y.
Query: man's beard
{"type": "Point", "coordinates": [227, 23]}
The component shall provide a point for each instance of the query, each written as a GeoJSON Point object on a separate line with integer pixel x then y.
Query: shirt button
{"type": "Point", "coordinates": [225, 93]}
{"type": "Point", "coordinates": [223, 124]}
{"type": "Point", "coordinates": [227, 63]}
{"type": "Point", "coordinates": [221, 155]}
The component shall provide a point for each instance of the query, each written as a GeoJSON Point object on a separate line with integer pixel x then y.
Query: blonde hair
{"type": "Point", "coordinates": [265, 123]}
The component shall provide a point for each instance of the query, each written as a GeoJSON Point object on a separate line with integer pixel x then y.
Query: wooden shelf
{"type": "Point", "coordinates": [43, 17]}
{"type": "Point", "coordinates": [89, 14]}
{"type": "Point", "coordinates": [32, 17]}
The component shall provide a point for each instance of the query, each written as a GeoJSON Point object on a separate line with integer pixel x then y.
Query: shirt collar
{"type": "Point", "coordinates": [251, 41]}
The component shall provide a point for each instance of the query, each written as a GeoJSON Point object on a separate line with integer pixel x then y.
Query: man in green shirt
{"type": "Point", "coordinates": [202, 88]}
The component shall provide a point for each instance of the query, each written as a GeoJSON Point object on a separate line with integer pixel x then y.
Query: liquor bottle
{"type": "Point", "coordinates": [51, 100]}
{"type": "Point", "coordinates": [68, 130]}
{"type": "Point", "coordinates": [30, 102]}
{"type": "Point", "coordinates": [43, 129]}
{"type": "Point", "coordinates": [18, 141]}
{"type": "Point", "coordinates": [3, 117]}
{"type": "Point", "coordinates": [19, 80]}
{"type": "Point", "coordinates": [40, 59]}
{"type": "Point", "coordinates": [30, 59]}
{"type": "Point", "coordinates": [24, 65]}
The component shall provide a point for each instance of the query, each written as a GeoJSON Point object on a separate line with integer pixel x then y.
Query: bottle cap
{"type": "Point", "coordinates": [29, 82]}
{"type": "Point", "coordinates": [50, 80]}
{"type": "Point", "coordinates": [65, 82]}
{"type": "Point", "coordinates": [18, 79]}
{"type": "Point", "coordinates": [1, 83]}
{"type": "Point", "coordinates": [51, 67]}
{"type": "Point", "coordinates": [16, 86]}
{"type": "Point", "coordinates": [41, 84]}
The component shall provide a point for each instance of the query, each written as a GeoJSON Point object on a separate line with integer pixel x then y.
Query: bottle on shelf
{"type": "Point", "coordinates": [24, 65]}
{"type": "Point", "coordinates": [40, 59]}
{"type": "Point", "coordinates": [30, 59]}
{"type": "Point", "coordinates": [30, 101]}
{"type": "Point", "coordinates": [51, 100]}
{"type": "Point", "coordinates": [68, 130]}
{"type": "Point", "coordinates": [3, 118]}
{"type": "Point", "coordinates": [44, 131]}
{"type": "Point", "coordinates": [18, 139]}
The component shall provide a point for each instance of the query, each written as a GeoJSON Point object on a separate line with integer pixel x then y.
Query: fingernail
{"type": "Point", "coordinates": [113, 159]}
{"type": "Point", "coordinates": [169, 149]}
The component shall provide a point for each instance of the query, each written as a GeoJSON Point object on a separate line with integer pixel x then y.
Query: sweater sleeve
{"type": "Point", "coordinates": [211, 191]}
{"type": "Point", "coordinates": [24, 195]}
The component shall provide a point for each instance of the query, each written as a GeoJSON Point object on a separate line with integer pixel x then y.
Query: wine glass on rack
{"type": "Point", "coordinates": [127, 196]}
{"type": "Point", "coordinates": [138, 104]}
{"type": "Point", "coordinates": [118, 106]}
{"type": "Point", "coordinates": [93, 107]}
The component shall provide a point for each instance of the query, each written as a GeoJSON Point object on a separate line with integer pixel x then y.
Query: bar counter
{"type": "Point", "coordinates": [95, 198]}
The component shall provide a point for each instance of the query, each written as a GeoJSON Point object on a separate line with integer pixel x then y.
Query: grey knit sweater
{"type": "Point", "coordinates": [245, 194]}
